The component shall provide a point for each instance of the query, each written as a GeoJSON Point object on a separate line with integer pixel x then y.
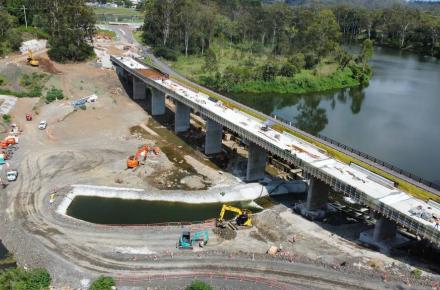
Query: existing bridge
{"type": "Point", "coordinates": [391, 204]}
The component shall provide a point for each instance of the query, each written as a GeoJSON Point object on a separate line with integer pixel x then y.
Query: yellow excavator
{"type": "Point", "coordinates": [242, 218]}
{"type": "Point", "coordinates": [31, 60]}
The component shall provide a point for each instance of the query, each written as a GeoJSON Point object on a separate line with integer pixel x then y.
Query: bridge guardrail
{"type": "Point", "coordinates": [369, 157]}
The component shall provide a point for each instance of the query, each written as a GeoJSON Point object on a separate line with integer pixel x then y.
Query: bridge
{"type": "Point", "coordinates": [391, 205]}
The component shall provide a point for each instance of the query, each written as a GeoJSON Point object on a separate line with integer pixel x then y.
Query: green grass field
{"type": "Point", "coordinates": [119, 10]}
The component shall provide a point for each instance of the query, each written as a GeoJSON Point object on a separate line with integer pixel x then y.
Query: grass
{"type": "Point", "coordinates": [119, 11]}
{"type": "Point", "coordinates": [106, 33]}
{"type": "Point", "coordinates": [138, 36]}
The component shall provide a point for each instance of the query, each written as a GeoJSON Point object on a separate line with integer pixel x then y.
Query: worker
{"type": "Point", "coordinates": [437, 223]}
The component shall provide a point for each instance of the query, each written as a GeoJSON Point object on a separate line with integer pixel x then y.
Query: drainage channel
{"type": "Point", "coordinates": [101, 210]}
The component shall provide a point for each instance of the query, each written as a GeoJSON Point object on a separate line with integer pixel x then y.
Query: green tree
{"type": "Point", "coordinates": [102, 283]}
{"type": "Point", "coordinates": [211, 63]}
{"type": "Point", "coordinates": [54, 94]}
{"type": "Point", "coordinates": [198, 285]}
{"type": "Point", "coordinates": [71, 26]}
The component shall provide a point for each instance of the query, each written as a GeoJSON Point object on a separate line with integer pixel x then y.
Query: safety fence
{"type": "Point", "coordinates": [369, 157]}
{"type": "Point", "coordinates": [273, 284]}
{"type": "Point", "coordinates": [193, 225]}
{"type": "Point", "coordinates": [354, 267]}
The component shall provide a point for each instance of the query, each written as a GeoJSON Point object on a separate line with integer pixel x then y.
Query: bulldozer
{"type": "Point", "coordinates": [242, 218]}
{"type": "Point", "coordinates": [31, 60]}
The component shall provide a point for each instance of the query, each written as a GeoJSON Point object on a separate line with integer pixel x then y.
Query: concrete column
{"type": "Point", "coordinates": [213, 138]}
{"type": "Point", "coordinates": [139, 89]}
{"type": "Point", "coordinates": [157, 102]}
{"type": "Point", "coordinates": [256, 165]}
{"type": "Point", "coordinates": [182, 117]}
{"type": "Point", "coordinates": [121, 72]}
{"type": "Point", "coordinates": [317, 195]}
{"type": "Point", "coordinates": [384, 229]}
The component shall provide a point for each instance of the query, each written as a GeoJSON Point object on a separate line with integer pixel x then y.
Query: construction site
{"type": "Point", "coordinates": [99, 183]}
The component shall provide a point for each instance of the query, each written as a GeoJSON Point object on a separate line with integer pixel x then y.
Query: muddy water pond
{"type": "Point", "coordinates": [128, 212]}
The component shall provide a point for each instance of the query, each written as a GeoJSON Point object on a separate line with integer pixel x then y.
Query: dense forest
{"type": "Point", "coordinates": [69, 26]}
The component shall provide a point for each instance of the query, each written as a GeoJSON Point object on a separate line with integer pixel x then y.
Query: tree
{"type": "Point", "coordinates": [366, 51]}
{"type": "Point", "coordinates": [103, 283]}
{"type": "Point", "coordinates": [71, 27]}
{"type": "Point", "coordinates": [198, 285]}
{"type": "Point", "coordinates": [210, 61]}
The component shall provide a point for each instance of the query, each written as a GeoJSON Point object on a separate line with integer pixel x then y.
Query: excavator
{"type": "Point", "coordinates": [242, 218]}
{"type": "Point", "coordinates": [31, 60]}
{"type": "Point", "coordinates": [186, 241]}
{"type": "Point", "coordinates": [133, 160]}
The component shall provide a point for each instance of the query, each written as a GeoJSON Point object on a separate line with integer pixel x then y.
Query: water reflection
{"type": "Point", "coordinates": [304, 111]}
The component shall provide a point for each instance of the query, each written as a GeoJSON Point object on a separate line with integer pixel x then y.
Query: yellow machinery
{"type": "Point", "coordinates": [31, 60]}
{"type": "Point", "coordinates": [242, 218]}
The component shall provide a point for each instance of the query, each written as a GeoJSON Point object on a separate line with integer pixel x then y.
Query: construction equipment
{"type": "Point", "coordinates": [142, 152]}
{"type": "Point", "coordinates": [186, 241]}
{"type": "Point", "coordinates": [242, 218]}
{"type": "Point", "coordinates": [11, 175]}
{"type": "Point", "coordinates": [132, 162]}
{"type": "Point", "coordinates": [31, 60]}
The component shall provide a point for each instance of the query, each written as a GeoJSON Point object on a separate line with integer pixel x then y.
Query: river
{"type": "Point", "coordinates": [396, 118]}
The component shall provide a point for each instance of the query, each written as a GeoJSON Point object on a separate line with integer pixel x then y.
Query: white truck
{"type": "Point", "coordinates": [12, 175]}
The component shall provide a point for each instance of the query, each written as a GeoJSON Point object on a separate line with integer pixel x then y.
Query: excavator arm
{"type": "Point", "coordinates": [226, 207]}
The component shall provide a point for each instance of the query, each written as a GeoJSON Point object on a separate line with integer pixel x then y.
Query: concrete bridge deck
{"type": "Point", "coordinates": [362, 186]}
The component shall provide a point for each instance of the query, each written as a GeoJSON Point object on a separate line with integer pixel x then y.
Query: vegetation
{"type": "Point", "coordinates": [106, 33]}
{"type": "Point", "coordinates": [54, 94]}
{"type": "Point", "coordinates": [119, 10]}
{"type": "Point", "coordinates": [69, 26]}
{"type": "Point", "coordinates": [31, 86]}
{"type": "Point", "coordinates": [20, 279]}
{"type": "Point", "coordinates": [6, 118]}
{"type": "Point", "coordinates": [243, 46]}
{"type": "Point", "coordinates": [198, 285]}
{"type": "Point", "coordinates": [103, 283]}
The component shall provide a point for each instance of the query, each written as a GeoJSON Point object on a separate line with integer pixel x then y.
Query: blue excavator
{"type": "Point", "coordinates": [187, 241]}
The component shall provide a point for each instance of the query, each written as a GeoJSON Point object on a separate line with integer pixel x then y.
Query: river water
{"type": "Point", "coordinates": [396, 118]}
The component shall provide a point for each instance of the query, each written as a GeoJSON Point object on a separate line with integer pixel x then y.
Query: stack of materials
{"type": "Point", "coordinates": [33, 45]}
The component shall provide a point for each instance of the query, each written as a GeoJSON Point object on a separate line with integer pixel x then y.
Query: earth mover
{"type": "Point", "coordinates": [186, 241]}
{"type": "Point", "coordinates": [242, 217]}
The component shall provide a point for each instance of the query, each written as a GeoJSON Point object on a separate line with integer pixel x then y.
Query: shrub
{"type": "Point", "coordinates": [311, 60]}
{"type": "Point", "coordinates": [198, 285]}
{"type": "Point", "coordinates": [298, 60]}
{"type": "Point", "coordinates": [288, 70]}
{"type": "Point", "coordinates": [166, 53]}
{"type": "Point", "coordinates": [54, 94]}
{"type": "Point", "coordinates": [6, 118]}
{"type": "Point", "coordinates": [102, 283]}
{"type": "Point", "coordinates": [19, 279]}
{"type": "Point", "coordinates": [2, 80]}
{"type": "Point", "coordinates": [417, 273]}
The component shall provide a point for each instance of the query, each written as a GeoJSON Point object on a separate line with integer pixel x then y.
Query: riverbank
{"type": "Point", "coordinates": [233, 70]}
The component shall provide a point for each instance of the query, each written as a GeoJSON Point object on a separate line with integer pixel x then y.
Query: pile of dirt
{"type": "Point", "coordinates": [48, 66]}
{"type": "Point", "coordinates": [225, 233]}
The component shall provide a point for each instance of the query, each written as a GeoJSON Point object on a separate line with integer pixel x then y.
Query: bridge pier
{"type": "Point", "coordinates": [213, 137]}
{"type": "Point", "coordinates": [121, 72]}
{"type": "Point", "coordinates": [182, 117]}
{"type": "Point", "coordinates": [384, 236]}
{"type": "Point", "coordinates": [256, 165]}
{"type": "Point", "coordinates": [317, 195]}
{"type": "Point", "coordinates": [139, 89]}
{"type": "Point", "coordinates": [157, 102]}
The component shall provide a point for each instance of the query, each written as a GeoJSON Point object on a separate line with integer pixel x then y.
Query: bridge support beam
{"type": "Point", "coordinates": [182, 117]}
{"type": "Point", "coordinates": [317, 195]}
{"type": "Point", "coordinates": [157, 102]}
{"type": "Point", "coordinates": [213, 138]}
{"type": "Point", "coordinates": [139, 89]}
{"type": "Point", "coordinates": [384, 236]}
{"type": "Point", "coordinates": [256, 165]}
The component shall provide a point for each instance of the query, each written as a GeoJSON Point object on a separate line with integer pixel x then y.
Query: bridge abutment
{"type": "Point", "coordinates": [213, 138]}
{"type": "Point", "coordinates": [182, 117]}
{"type": "Point", "coordinates": [384, 235]}
{"type": "Point", "coordinates": [139, 89]}
{"type": "Point", "coordinates": [256, 164]}
{"type": "Point", "coordinates": [121, 72]}
{"type": "Point", "coordinates": [157, 102]}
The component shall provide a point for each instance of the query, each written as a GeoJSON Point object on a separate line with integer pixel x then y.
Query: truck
{"type": "Point", "coordinates": [12, 175]}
